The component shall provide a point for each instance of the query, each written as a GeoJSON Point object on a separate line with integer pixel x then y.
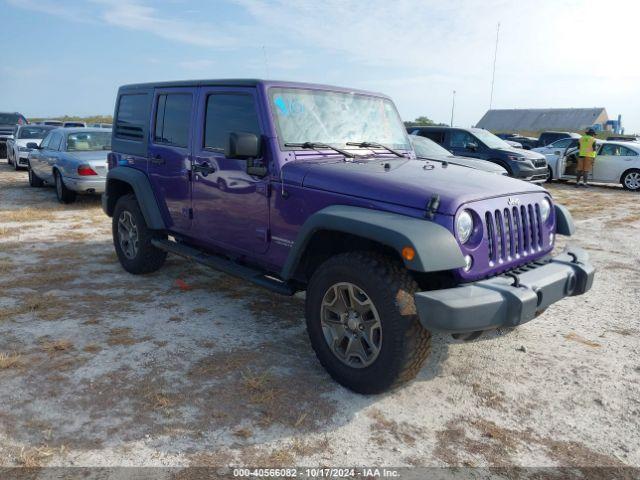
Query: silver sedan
{"type": "Point", "coordinates": [72, 159]}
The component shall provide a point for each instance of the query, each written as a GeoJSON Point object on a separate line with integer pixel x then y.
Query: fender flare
{"type": "Point", "coordinates": [564, 221]}
{"type": "Point", "coordinates": [436, 248]}
{"type": "Point", "coordinates": [139, 183]}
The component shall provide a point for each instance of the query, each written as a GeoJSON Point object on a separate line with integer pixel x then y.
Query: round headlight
{"type": "Point", "coordinates": [464, 226]}
{"type": "Point", "coordinates": [545, 209]}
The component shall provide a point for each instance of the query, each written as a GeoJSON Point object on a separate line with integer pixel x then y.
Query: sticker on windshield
{"type": "Point", "coordinates": [281, 104]}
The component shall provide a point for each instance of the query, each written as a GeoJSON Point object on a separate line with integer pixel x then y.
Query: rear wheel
{"type": "Point", "coordinates": [362, 322]}
{"type": "Point", "coordinates": [34, 180]}
{"type": "Point", "coordinates": [631, 180]}
{"type": "Point", "coordinates": [132, 238]}
{"type": "Point", "coordinates": [62, 192]}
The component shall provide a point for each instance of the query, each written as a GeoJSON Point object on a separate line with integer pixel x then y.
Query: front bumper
{"type": "Point", "coordinates": [530, 173]}
{"type": "Point", "coordinates": [84, 185]}
{"type": "Point", "coordinates": [504, 301]}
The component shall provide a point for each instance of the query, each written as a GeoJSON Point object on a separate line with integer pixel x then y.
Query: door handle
{"type": "Point", "coordinates": [158, 160]}
{"type": "Point", "coordinates": [203, 168]}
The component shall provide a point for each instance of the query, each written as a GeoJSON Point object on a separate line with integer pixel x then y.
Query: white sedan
{"type": "Point", "coordinates": [616, 162]}
{"type": "Point", "coordinates": [557, 149]}
{"type": "Point", "coordinates": [17, 150]}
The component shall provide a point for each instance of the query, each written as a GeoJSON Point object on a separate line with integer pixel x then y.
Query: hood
{"type": "Point", "coordinates": [410, 183]}
{"type": "Point", "coordinates": [483, 165]}
{"type": "Point", "coordinates": [22, 142]}
{"type": "Point", "coordinates": [521, 152]}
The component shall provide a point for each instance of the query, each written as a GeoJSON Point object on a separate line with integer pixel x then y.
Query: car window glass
{"type": "Point", "coordinates": [227, 113]}
{"type": "Point", "coordinates": [54, 144]}
{"type": "Point", "coordinates": [131, 117]}
{"type": "Point", "coordinates": [437, 137]}
{"type": "Point", "coordinates": [562, 143]}
{"type": "Point", "coordinates": [45, 141]}
{"type": "Point", "coordinates": [173, 119]}
{"type": "Point", "coordinates": [460, 139]}
{"type": "Point", "coordinates": [627, 152]}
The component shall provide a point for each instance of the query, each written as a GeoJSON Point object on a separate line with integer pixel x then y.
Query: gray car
{"type": "Point", "coordinates": [72, 159]}
{"type": "Point", "coordinates": [427, 149]}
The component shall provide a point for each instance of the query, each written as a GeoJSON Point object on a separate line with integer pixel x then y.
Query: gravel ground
{"type": "Point", "coordinates": [189, 367]}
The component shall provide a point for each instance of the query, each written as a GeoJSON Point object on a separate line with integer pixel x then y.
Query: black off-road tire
{"type": "Point", "coordinates": [405, 343]}
{"type": "Point", "coordinates": [148, 258]}
{"type": "Point", "coordinates": [63, 194]}
{"type": "Point", "coordinates": [34, 180]}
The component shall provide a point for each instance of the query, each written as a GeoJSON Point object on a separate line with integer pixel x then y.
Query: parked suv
{"type": "Point", "coordinates": [8, 122]}
{"type": "Point", "coordinates": [482, 144]}
{"type": "Point", "coordinates": [388, 248]}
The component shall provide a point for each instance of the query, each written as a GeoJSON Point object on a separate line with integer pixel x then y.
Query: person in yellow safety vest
{"type": "Point", "coordinates": [587, 155]}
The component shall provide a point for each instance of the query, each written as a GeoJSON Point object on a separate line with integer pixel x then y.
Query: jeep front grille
{"type": "Point", "coordinates": [513, 232]}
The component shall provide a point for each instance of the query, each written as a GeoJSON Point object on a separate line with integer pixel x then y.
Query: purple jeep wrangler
{"type": "Point", "coordinates": [308, 187]}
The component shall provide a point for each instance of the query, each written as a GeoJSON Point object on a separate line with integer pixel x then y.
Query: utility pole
{"type": "Point", "coordinates": [453, 106]}
{"type": "Point", "coordinates": [495, 57]}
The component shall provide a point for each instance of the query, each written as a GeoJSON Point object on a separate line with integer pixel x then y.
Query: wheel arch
{"type": "Point", "coordinates": [124, 180]}
{"type": "Point", "coordinates": [341, 228]}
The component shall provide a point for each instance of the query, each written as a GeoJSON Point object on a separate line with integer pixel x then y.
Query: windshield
{"type": "Point", "coordinates": [10, 119]}
{"type": "Point", "coordinates": [33, 132]}
{"type": "Point", "coordinates": [425, 147]}
{"type": "Point", "coordinates": [490, 140]}
{"type": "Point", "coordinates": [336, 118]}
{"type": "Point", "coordinates": [88, 141]}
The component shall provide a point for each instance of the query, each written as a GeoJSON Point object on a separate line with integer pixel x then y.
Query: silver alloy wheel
{"type": "Point", "coordinates": [632, 180]}
{"type": "Point", "coordinates": [128, 235]}
{"type": "Point", "coordinates": [351, 325]}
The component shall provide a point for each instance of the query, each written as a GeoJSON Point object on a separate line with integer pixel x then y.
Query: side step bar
{"type": "Point", "coordinates": [225, 265]}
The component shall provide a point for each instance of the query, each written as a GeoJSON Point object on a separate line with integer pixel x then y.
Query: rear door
{"type": "Point", "coordinates": [612, 161]}
{"type": "Point", "coordinates": [230, 207]}
{"type": "Point", "coordinates": [170, 158]}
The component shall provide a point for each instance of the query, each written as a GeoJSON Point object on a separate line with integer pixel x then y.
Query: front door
{"type": "Point", "coordinates": [611, 162]}
{"type": "Point", "coordinates": [464, 144]}
{"type": "Point", "coordinates": [169, 160]}
{"type": "Point", "coordinates": [230, 207]}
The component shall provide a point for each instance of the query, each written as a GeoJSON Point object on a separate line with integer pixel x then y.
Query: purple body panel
{"type": "Point", "coordinates": [249, 217]}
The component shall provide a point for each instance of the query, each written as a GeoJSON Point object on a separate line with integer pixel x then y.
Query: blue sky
{"type": "Point", "coordinates": [69, 57]}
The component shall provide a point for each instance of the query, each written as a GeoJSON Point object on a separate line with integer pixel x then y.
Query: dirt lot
{"type": "Point", "coordinates": [191, 367]}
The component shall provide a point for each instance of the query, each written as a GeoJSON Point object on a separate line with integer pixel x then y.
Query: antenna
{"type": "Point", "coordinates": [266, 62]}
{"type": "Point", "coordinates": [495, 57]}
{"type": "Point", "coordinates": [453, 105]}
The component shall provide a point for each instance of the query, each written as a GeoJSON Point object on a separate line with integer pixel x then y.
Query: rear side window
{"type": "Point", "coordinates": [131, 117]}
{"type": "Point", "coordinates": [173, 119]}
{"type": "Point", "coordinates": [227, 113]}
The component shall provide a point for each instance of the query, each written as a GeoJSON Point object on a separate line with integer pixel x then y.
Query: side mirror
{"type": "Point", "coordinates": [33, 146]}
{"type": "Point", "coordinates": [471, 146]}
{"type": "Point", "coordinates": [243, 146]}
{"type": "Point", "coordinates": [247, 146]}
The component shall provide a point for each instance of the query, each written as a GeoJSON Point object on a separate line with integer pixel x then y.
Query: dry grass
{"type": "Point", "coordinates": [121, 336]}
{"type": "Point", "coordinates": [29, 214]}
{"type": "Point", "coordinates": [28, 305]}
{"type": "Point", "coordinates": [36, 457]}
{"type": "Point", "coordinates": [92, 348]}
{"type": "Point", "coordinates": [9, 360]}
{"type": "Point", "coordinates": [577, 338]}
{"type": "Point", "coordinates": [56, 346]}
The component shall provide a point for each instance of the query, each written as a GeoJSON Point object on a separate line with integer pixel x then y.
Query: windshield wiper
{"type": "Point", "coordinates": [375, 145]}
{"type": "Point", "coordinates": [316, 146]}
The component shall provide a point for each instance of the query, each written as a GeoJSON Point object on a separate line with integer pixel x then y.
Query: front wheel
{"type": "Point", "coordinates": [34, 180]}
{"type": "Point", "coordinates": [549, 175]}
{"type": "Point", "coordinates": [362, 322]}
{"type": "Point", "coordinates": [631, 180]}
{"type": "Point", "coordinates": [132, 238]}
